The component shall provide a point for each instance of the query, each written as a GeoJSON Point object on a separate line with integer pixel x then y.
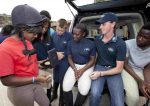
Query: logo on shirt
{"type": "Point", "coordinates": [87, 49]}
{"type": "Point", "coordinates": [64, 42]}
{"type": "Point", "coordinates": [47, 44]}
{"type": "Point", "coordinates": [110, 49]}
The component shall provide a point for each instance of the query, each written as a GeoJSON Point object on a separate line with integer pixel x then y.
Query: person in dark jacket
{"type": "Point", "coordinates": [6, 31]}
{"type": "Point", "coordinates": [42, 44]}
{"type": "Point", "coordinates": [60, 40]}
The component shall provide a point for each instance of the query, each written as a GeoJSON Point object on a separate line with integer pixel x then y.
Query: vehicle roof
{"type": "Point", "coordinates": [106, 5]}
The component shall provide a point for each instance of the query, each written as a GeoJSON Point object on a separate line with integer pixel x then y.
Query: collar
{"type": "Point", "coordinates": [113, 39]}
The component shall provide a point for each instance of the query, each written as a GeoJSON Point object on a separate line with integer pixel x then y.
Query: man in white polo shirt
{"type": "Point", "coordinates": [137, 66]}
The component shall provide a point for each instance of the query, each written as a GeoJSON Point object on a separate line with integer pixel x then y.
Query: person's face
{"type": "Point", "coordinates": [143, 38]}
{"type": "Point", "coordinates": [29, 36]}
{"type": "Point", "coordinates": [59, 30]}
{"type": "Point", "coordinates": [45, 27]}
{"type": "Point", "coordinates": [77, 34]}
{"type": "Point", "coordinates": [106, 27]}
{"type": "Point", "coordinates": [32, 33]}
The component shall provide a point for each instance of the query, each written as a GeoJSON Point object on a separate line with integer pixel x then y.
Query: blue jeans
{"type": "Point", "coordinates": [115, 87]}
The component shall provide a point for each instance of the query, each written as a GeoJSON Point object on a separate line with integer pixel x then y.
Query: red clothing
{"type": "Point", "coordinates": [13, 61]}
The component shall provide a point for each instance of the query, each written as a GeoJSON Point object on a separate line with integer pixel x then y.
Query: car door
{"type": "Point", "coordinates": [132, 14]}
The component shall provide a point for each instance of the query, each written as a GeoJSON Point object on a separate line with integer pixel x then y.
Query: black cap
{"type": "Point", "coordinates": [25, 15]}
{"type": "Point", "coordinates": [107, 17]}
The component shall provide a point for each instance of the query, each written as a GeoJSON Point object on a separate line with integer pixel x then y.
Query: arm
{"type": "Point", "coordinates": [13, 80]}
{"type": "Point", "coordinates": [71, 63]}
{"type": "Point", "coordinates": [87, 66]}
{"type": "Point", "coordinates": [113, 71]}
{"type": "Point", "coordinates": [131, 72]}
{"type": "Point", "coordinates": [141, 84]}
{"type": "Point", "coordinates": [146, 73]}
{"type": "Point", "coordinates": [79, 72]}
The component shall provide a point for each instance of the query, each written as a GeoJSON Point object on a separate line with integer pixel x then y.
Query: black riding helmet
{"type": "Point", "coordinates": [25, 17]}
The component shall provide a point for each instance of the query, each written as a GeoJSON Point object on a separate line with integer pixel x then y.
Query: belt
{"type": "Point", "coordinates": [80, 63]}
{"type": "Point", "coordinates": [108, 66]}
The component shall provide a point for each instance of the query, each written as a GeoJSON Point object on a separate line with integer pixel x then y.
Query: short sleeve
{"type": "Point", "coordinates": [121, 51]}
{"type": "Point", "coordinates": [93, 51]}
{"type": "Point", "coordinates": [69, 48]}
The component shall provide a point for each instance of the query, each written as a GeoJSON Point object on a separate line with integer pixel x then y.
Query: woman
{"type": "Point", "coordinates": [19, 68]}
{"type": "Point", "coordinates": [81, 57]}
{"type": "Point", "coordinates": [42, 44]}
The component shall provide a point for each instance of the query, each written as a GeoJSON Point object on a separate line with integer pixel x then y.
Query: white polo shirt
{"type": "Point", "coordinates": [138, 58]}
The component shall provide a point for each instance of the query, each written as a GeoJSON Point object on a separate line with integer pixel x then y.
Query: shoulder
{"type": "Point", "coordinates": [130, 42]}
{"type": "Point", "coordinates": [68, 34]}
{"type": "Point", "coordinates": [88, 41]}
{"type": "Point", "coordinates": [53, 34]}
{"type": "Point", "coordinates": [8, 41]}
{"type": "Point", "coordinates": [52, 30]}
{"type": "Point", "coordinates": [120, 41]}
{"type": "Point", "coordinates": [7, 45]}
{"type": "Point", "coordinates": [70, 42]}
{"type": "Point", "coordinates": [98, 38]}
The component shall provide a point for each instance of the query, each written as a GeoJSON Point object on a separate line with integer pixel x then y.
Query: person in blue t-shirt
{"type": "Point", "coordinates": [81, 57]}
{"type": "Point", "coordinates": [60, 40]}
{"type": "Point", "coordinates": [111, 53]}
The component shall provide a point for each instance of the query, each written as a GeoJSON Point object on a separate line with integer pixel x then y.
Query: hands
{"type": "Point", "coordinates": [60, 55]}
{"type": "Point", "coordinates": [43, 78]}
{"type": "Point", "coordinates": [145, 88]}
{"type": "Point", "coordinates": [94, 75]}
{"type": "Point", "coordinates": [78, 73]}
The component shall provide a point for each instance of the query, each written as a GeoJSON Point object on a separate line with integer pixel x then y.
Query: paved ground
{"type": "Point", "coordinates": [4, 101]}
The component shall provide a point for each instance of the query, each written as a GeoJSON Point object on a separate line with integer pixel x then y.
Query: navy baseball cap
{"type": "Point", "coordinates": [107, 17]}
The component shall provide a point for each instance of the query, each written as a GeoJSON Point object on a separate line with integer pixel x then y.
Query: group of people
{"type": "Point", "coordinates": [123, 66]}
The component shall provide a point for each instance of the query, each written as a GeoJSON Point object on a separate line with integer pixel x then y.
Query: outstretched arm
{"type": "Point", "coordinates": [13, 80]}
